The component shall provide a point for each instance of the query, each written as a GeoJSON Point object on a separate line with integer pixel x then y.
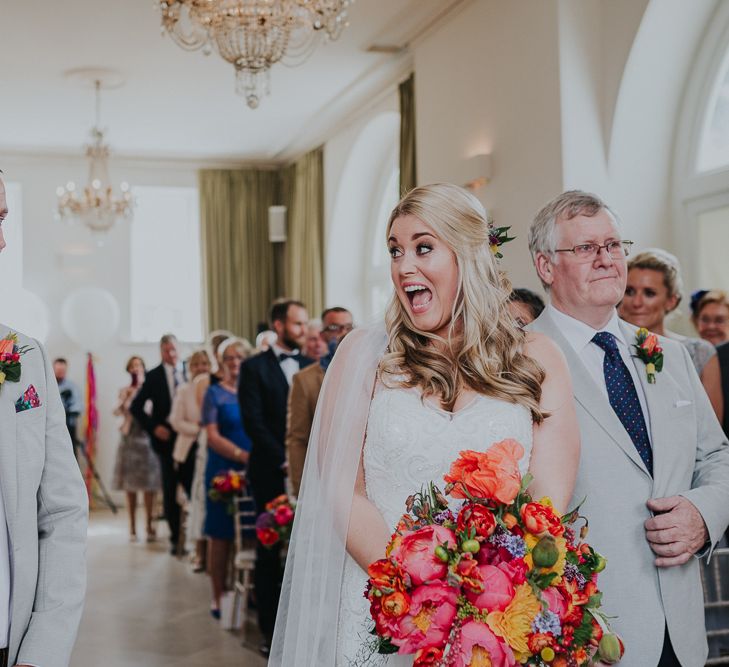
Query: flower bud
{"type": "Point", "coordinates": [601, 563]}
{"type": "Point", "coordinates": [545, 552]}
{"type": "Point", "coordinates": [471, 546]}
{"type": "Point", "coordinates": [441, 553]}
{"type": "Point", "coordinates": [610, 649]}
{"type": "Point", "coordinates": [547, 654]}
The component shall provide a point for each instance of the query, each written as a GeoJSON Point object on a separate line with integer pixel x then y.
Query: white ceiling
{"type": "Point", "coordinates": [178, 104]}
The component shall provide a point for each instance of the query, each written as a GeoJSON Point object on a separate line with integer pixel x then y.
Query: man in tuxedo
{"type": "Point", "coordinates": [263, 389]}
{"type": "Point", "coordinates": [305, 388]}
{"type": "Point", "coordinates": [43, 512]}
{"type": "Point", "coordinates": [655, 463]}
{"type": "Point", "coordinates": [159, 389]}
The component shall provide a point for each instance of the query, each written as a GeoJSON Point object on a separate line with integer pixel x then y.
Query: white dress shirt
{"type": "Point", "coordinates": [579, 335]}
{"type": "Point", "coordinates": [289, 366]}
{"type": "Point", "coordinates": [174, 378]}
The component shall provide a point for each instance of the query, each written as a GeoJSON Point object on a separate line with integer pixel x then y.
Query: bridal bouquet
{"type": "Point", "coordinates": [225, 486]}
{"type": "Point", "coordinates": [274, 525]}
{"type": "Point", "coordinates": [492, 578]}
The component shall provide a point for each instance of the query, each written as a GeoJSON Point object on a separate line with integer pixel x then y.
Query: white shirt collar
{"type": "Point", "coordinates": [578, 334]}
{"type": "Point", "coordinates": [278, 350]}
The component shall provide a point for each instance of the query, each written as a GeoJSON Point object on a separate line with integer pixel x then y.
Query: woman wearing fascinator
{"type": "Point", "coordinates": [449, 371]}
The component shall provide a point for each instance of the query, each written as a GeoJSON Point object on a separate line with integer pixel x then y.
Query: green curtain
{"type": "Point", "coordinates": [244, 272]}
{"type": "Point", "coordinates": [240, 272]}
{"type": "Point", "coordinates": [408, 172]}
{"type": "Point", "coordinates": [303, 187]}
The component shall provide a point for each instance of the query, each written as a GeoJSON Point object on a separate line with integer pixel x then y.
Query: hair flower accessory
{"type": "Point", "coordinates": [10, 353]}
{"type": "Point", "coordinates": [497, 237]}
{"type": "Point", "coordinates": [649, 352]}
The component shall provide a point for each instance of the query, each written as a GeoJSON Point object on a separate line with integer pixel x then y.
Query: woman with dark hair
{"type": "Point", "coordinates": [137, 466]}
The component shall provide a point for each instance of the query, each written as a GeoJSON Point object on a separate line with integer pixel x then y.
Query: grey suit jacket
{"type": "Point", "coordinates": [690, 458]}
{"type": "Point", "coordinates": [47, 513]}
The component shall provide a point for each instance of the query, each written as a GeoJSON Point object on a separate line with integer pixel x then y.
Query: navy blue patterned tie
{"type": "Point", "coordinates": [624, 397]}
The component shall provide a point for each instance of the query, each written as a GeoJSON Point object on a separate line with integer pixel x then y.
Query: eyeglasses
{"type": "Point", "coordinates": [588, 251]}
{"type": "Point", "coordinates": [716, 321]}
{"type": "Point", "coordinates": [337, 328]}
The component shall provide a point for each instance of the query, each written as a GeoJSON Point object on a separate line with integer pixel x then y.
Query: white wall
{"type": "Point", "coordinates": [488, 82]}
{"type": "Point", "coordinates": [59, 259]}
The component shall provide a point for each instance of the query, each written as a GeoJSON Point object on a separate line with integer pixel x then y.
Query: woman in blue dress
{"type": "Point", "coordinates": [228, 449]}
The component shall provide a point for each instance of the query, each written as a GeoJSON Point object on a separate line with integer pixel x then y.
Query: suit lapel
{"type": "Point", "coordinates": [9, 393]}
{"type": "Point", "coordinates": [590, 396]}
{"type": "Point", "coordinates": [276, 370]}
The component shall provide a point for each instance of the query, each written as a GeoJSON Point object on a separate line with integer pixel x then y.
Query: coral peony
{"type": "Point", "coordinates": [493, 474]}
{"type": "Point", "coordinates": [498, 591]}
{"type": "Point", "coordinates": [416, 553]}
{"type": "Point", "coordinates": [478, 518]}
{"type": "Point", "coordinates": [479, 647]}
{"type": "Point", "coordinates": [540, 519]}
{"type": "Point", "coordinates": [428, 657]}
{"type": "Point", "coordinates": [429, 619]}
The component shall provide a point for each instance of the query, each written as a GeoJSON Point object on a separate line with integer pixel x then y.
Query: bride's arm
{"type": "Point", "coordinates": [368, 535]}
{"type": "Point", "coordinates": [556, 446]}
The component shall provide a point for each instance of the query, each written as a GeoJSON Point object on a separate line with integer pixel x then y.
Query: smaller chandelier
{"type": "Point", "coordinates": [253, 35]}
{"type": "Point", "coordinates": [96, 206]}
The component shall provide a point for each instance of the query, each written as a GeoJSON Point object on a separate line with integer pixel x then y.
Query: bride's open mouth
{"type": "Point", "coordinates": [419, 296]}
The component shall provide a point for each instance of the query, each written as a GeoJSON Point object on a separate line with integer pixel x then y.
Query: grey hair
{"type": "Point", "coordinates": [657, 259]}
{"type": "Point", "coordinates": [543, 230]}
{"type": "Point", "coordinates": [168, 338]}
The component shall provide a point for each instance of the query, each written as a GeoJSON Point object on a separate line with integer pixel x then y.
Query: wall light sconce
{"type": "Point", "coordinates": [477, 171]}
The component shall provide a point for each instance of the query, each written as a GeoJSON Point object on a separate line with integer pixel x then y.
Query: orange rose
{"type": "Point", "coordinates": [6, 346]}
{"type": "Point", "coordinates": [650, 344]}
{"type": "Point", "coordinates": [478, 518]}
{"type": "Point", "coordinates": [395, 604]}
{"type": "Point", "coordinates": [539, 519]}
{"type": "Point", "coordinates": [492, 475]}
{"type": "Point", "coordinates": [384, 573]}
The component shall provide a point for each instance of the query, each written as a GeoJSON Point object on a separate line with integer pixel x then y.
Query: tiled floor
{"type": "Point", "coordinates": [145, 608]}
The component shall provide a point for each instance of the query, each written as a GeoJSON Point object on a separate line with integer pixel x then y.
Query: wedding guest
{"type": "Point", "coordinates": [525, 306]}
{"type": "Point", "coordinates": [159, 389]}
{"type": "Point", "coordinates": [196, 540]}
{"type": "Point", "coordinates": [264, 340]}
{"type": "Point", "coordinates": [650, 516]}
{"type": "Point", "coordinates": [314, 348]}
{"type": "Point", "coordinates": [136, 468]}
{"type": "Point", "coordinates": [305, 388]}
{"type": "Point", "coordinates": [711, 317]}
{"type": "Point", "coordinates": [228, 449]}
{"type": "Point", "coordinates": [185, 420]}
{"type": "Point", "coordinates": [653, 291]}
{"type": "Point", "coordinates": [71, 398]}
{"type": "Point", "coordinates": [263, 395]}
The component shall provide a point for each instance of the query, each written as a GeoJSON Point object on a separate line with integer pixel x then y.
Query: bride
{"type": "Point", "coordinates": [451, 372]}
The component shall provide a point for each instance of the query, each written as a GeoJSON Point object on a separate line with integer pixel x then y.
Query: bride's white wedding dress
{"type": "Point", "coordinates": [409, 443]}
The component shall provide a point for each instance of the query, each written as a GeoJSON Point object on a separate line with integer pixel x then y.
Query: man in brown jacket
{"type": "Point", "coordinates": [305, 388]}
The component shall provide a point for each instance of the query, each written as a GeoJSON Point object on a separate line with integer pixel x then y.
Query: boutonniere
{"type": "Point", "coordinates": [10, 353]}
{"type": "Point", "coordinates": [649, 352]}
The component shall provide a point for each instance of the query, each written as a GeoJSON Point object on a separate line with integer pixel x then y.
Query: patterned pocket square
{"type": "Point", "coordinates": [28, 400]}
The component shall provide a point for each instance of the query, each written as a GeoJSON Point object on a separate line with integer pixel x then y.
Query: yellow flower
{"type": "Point", "coordinates": [515, 623]}
{"type": "Point", "coordinates": [558, 567]}
{"type": "Point", "coordinates": [2, 377]}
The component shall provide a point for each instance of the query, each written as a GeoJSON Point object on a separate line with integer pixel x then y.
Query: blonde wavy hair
{"type": "Point", "coordinates": [483, 348]}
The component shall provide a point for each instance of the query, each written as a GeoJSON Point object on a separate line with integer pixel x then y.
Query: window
{"type": "Point", "coordinates": [166, 284]}
{"type": "Point", "coordinates": [11, 266]}
{"type": "Point", "coordinates": [714, 144]}
{"type": "Point", "coordinates": [713, 240]}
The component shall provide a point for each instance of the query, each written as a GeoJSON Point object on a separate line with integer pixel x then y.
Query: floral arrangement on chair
{"type": "Point", "coordinates": [274, 525]}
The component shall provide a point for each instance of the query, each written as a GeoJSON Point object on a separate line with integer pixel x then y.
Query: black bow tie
{"type": "Point", "coordinates": [286, 355]}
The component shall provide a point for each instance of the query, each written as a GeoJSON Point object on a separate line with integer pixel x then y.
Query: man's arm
{"type": "Point", "coordinates": [250, 390]}
{"type": "Point", "coordinates": [62, 522]}
{"type": "Point", "coordinates": [682, 528]}
{"type": "Point", "coordinates": [137, 407]}
{"type": "Point", "coordinates": [298, 429]}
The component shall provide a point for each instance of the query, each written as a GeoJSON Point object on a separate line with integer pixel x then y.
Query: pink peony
{"type": "Point", "coordinates": [498, 590]}
{"type": "Point", "coordinates": [429, 619]}
{"type": "Point", "coordinates": [480, 646]}
{"type": "Point", "coordinates": [416, 553]}
{"type": "Point", "coordinates": [283, 515]}
{"type": "Point", "coordinates": [556, 601]}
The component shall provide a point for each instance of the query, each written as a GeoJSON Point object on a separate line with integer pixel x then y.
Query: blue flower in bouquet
{"type": "Point", "coordinates": [572, 573]}
{"type": "Point", "coordinates": [514, 544]}
{"type": "Point", "coordinates": [547, 621]}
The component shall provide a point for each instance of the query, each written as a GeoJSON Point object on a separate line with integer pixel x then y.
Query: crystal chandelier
{"type": "Point", "coordinates": [252, 35]}
{"type": "Point", "coordinates": [96, 206]}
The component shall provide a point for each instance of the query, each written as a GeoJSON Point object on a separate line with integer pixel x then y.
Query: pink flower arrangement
{"type": "Point", "coordinates": [503, 581]}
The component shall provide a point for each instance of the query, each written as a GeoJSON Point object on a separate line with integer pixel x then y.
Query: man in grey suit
{"type": "Point", "coordinates": [43, 511]}
{"type": "Point", "coordinates": [655, 463]}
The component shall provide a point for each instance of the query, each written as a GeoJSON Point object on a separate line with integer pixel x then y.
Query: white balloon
{"type": "Point", "coordinates": [90, 317]}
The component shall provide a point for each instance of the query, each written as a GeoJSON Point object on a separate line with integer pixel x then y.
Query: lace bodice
{"type": "Point", "coordinates": [410, 442]}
